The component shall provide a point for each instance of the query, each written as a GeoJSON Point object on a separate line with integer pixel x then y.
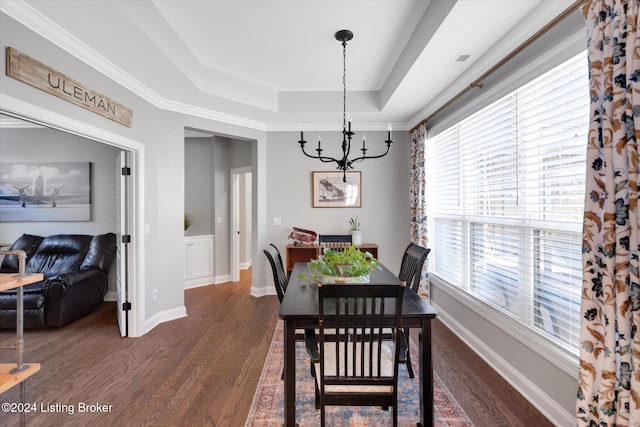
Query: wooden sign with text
{"type": "Point", "coordinates": [27, 70]}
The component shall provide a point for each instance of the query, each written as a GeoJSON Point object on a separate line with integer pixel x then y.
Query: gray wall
{"type": "Point", "coordinates": [50, 145]}
{"type": "Point", "coordinates": [198, 185]}
{"type": "Point", "coordinates": [207, 164]}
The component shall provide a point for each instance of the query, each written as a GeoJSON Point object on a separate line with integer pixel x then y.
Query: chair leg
{"type": "Point", "coordinates": [311, 344]}
{"type": "Point", "coordinates": [407, 355]}
{"type": "Point", "coordinates": [404, 347]}
{"type": "Point", "coordinates": [395, 415]}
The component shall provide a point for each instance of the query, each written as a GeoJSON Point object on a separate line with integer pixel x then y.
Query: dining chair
{"type": "Point", "coordinates": [411, 267]}
{"type": "Point", "coordinates": [277, 268]}
{"type": "Point", "coordinates": [280, 280]}
{"type": "Point", "coordinates": [337, 242]}
{"type": "Point", "coordinates": [357, 366]}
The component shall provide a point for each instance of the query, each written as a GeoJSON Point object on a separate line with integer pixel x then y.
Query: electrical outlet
{"type": "Point", "coordinates": [155, 294]}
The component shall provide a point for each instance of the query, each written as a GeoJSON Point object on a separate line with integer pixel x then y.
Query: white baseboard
{"type": "Point", "coordinates": [245, 265]}
{"type": "Point", "coordinates": [200, 281]}
{"type": "Point", "coordinates": [165, 316]}
{"type": "Point", "coordinates": [549, 408]}
{"type": "Point", "coordinates": [222, 279]}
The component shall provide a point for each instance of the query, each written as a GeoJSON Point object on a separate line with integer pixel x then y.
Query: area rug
{"type": "Point", "coordinates": [268, 401]}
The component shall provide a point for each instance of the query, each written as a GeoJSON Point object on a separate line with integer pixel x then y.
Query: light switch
{"type": "Point", "coordinates": [277, 221]}
{"type": "Point", "coordinates": [219, 220]}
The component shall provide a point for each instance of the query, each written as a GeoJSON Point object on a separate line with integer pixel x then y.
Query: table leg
{"type": "Point", "coordinates": [289, 373]}
{"type": "Point", "coordinates": [426, 375]}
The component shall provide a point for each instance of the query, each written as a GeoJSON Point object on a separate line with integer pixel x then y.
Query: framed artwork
{"type": "Point", "coordinates": [330, 191]}
{"type": "Point", "coordinates": [45, 191]}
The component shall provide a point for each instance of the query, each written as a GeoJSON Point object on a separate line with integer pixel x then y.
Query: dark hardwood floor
{"type": "Point", "coordinates": [203, 369]}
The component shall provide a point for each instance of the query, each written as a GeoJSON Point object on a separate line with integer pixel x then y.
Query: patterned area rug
{"type": "Point", "coordinates": [268, 401]}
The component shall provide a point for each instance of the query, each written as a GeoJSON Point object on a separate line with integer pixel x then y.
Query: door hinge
{"type": "Point", "coordinates": [126, 171]}
{"type": "Point", "coordinates": [126, 238]}
{"type": "Point", "coordinates": [126, 306]}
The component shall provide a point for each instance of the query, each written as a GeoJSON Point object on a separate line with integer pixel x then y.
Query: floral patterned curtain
{"type": "Point", "coordinates": [417, 202]}
{"type": "Point", "coordinates": [609, 376]}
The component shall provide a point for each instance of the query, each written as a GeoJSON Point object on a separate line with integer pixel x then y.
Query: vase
{"type": "Point", "coordinates": [356, 237]}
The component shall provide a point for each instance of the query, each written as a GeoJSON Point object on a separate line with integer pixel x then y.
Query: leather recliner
{"type": "Point", "coordinates": [75, 269]}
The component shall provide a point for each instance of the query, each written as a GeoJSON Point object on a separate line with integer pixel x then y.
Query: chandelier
{"type": "Point", "coordinates": [345, 163]}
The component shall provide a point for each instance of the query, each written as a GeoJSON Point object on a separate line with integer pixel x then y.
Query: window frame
{"type": "Point", "coordinates": [562, 355]}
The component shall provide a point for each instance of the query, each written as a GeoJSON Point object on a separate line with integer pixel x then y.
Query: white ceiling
{"type": "Point", "coordinates": [276, 65]}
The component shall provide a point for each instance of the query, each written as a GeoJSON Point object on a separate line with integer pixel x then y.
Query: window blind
{"type": "Point", "coordinates": [505, 196]}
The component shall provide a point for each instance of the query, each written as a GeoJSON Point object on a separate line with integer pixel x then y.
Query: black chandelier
{"type": "Point", "coordinates": [345, 163]}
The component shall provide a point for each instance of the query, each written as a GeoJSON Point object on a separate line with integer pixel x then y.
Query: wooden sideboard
{"type": "Point", "coordinates": [305, 253]}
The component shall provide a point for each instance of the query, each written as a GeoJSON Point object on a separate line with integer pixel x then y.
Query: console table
{"type": "Point", "coordinates": [305, 253]}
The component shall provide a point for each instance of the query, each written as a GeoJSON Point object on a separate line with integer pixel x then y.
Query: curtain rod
{"type": "Point", "coordinates": [509, 57]}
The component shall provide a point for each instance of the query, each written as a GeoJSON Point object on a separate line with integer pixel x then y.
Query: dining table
{"type": "Point", "coordinates": [299, 310]}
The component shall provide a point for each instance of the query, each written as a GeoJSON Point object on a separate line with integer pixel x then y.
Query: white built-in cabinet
{"type": "Point", "coordinates": [198, 269]}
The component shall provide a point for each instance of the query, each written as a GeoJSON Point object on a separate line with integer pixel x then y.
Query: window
{"type": "Point", "coordinates": [505, 196]}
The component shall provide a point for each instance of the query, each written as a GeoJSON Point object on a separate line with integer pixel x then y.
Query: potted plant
{"type": "Point", "coordinates": [356, 233]}
{"type": "Point", "coordinates": [350, 265]}
{"type": "Point", "coordinates": [187, 222]}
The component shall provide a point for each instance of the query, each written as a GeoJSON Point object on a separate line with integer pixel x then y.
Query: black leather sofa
{"type": "Point", "coordinates": [75, 268]}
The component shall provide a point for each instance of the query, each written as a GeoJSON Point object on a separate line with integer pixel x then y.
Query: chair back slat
{"type": "Point", "coordinates": [336, 242]}
{"type": "Point", "coordinates": [357, 317]}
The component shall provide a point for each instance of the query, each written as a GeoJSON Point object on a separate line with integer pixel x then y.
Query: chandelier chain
{"type": "Point", "coordinates": [344, 85]}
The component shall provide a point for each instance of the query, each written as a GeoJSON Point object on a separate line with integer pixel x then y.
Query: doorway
{"type": "Point", "coordinates": [23, 111]}
{"type": "Point", "coordinates": [241, 219]}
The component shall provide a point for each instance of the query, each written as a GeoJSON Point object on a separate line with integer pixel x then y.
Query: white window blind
{"type": "Point", "coordinates": [505, 196]}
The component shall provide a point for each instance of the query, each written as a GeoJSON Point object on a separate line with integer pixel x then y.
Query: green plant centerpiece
{"type": "Point", "coordinates": [350, 265]}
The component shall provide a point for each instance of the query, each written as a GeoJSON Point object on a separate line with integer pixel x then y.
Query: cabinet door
{"type": "Point", "coordinates": [201, 254]}
{"type": "Point", "coordinates": [199, 257]}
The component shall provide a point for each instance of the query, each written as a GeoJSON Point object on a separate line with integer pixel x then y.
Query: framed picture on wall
{"type": "Point", "coordinates": [45, 191]}
{"type": "Point", "coordinates": [331, 191]}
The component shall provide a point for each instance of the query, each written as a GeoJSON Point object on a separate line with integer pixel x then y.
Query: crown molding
{"type": "Point", "coordinates": [43, 26]}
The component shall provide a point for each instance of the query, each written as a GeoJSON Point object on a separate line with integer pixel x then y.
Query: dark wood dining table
{"type": "Point", "coordinates": [299, 310]}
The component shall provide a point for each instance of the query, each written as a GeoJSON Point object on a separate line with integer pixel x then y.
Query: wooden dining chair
{"type": "Point", "coordinates": [411, 267]}
{"type": "Point", "coordinates": [336, 242]}
{"type": "Point", "coordinates": [357, 366]}
{"type": "Point", "coordinates": [280, 279]}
